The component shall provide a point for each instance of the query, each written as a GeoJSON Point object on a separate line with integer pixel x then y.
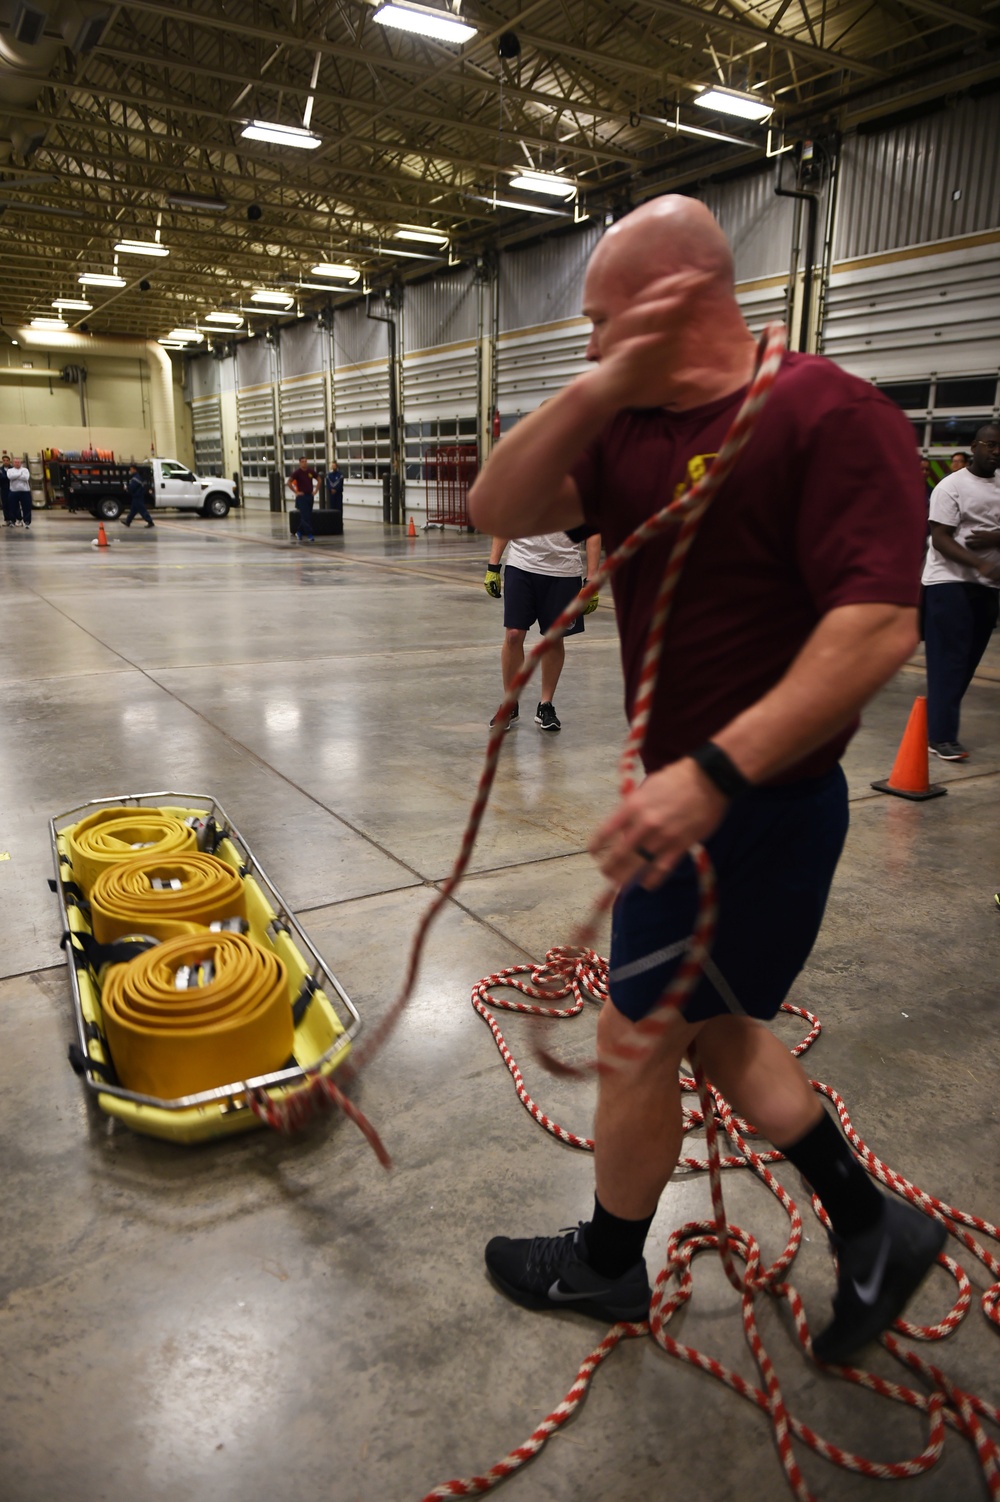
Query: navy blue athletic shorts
{"type": "Point", "coordinates": [774, 856]}
{"type": "Point", "coordinates": [528, 598]}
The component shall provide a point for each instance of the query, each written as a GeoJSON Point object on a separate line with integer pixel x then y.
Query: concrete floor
{"type": "Point", "coordinates": [265, 1317]}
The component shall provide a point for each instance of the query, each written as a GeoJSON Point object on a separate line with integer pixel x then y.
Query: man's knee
{"type": "Point", "coordinates": [514, 638]}
{"type": "Point", "coordinates": [651, 1044]}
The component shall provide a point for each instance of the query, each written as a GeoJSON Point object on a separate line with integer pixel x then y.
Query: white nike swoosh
{"type": "Point", "coordinates": [868, 1291]}
{"type": "Point", "coordinates": [557, 1295]}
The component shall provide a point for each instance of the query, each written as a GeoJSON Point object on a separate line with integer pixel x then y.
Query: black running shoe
{"type": "Point", "coordinates": [877, 1274]}
{"type": "Point", "coordinates": [513, 716]}
{"type": "Point", "coordinates": [546, 717]}
{"type": "Point", "coordinates": [552, 1272]}
{"type": "Point", "coordinates": [948, 750]}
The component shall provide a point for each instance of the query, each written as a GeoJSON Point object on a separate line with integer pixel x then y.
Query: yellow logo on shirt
{"type": "Point", "coordinates": [696, 468]}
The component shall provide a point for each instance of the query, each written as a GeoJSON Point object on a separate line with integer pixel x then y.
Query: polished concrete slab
{"type": "Point", "coordinates": [264, 1316]}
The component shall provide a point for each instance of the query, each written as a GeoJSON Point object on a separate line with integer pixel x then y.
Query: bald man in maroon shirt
{"type": "Point", "coordinates": [796, 603]}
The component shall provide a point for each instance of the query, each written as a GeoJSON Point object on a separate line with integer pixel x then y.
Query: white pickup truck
{"type": "Point", "coordinates": [101, 487]}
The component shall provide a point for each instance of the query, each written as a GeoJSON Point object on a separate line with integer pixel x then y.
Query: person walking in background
{"type": "Point", "coordinates": [8, 515]}
{"type": "Point", "coordinates": [302, 482]}
{"type": "Point", "coordinates": [19, 493]}
{"type": "Point", "coordinates": [961, 581]}
{"type": "Point", "coordinates": [541, 577]}
{"type": "Point", "coordinates": [137, 498]}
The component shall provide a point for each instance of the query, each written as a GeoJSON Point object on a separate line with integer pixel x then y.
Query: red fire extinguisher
{"type": "Point", "coordinates": [496, 422]}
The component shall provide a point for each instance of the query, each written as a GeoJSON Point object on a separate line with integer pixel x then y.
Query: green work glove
{"type": "Point", "coordinates": [591, 604]}
{"type": "Point", "coordinates": [491, 580]}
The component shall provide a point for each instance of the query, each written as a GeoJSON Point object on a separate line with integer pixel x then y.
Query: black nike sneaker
{"type": "Point", "coordinates": [878, 1272]}
{"type": "Point", "coordinates": [553, 1272]}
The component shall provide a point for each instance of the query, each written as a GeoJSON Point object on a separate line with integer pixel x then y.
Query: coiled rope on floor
{"type": "Point", "coordinates": [688, 508]}
{"type": "Point", "coordinates": [945, 1404]}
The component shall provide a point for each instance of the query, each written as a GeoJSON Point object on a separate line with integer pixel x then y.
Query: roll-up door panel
{"type": "Point", "coordinates": [913, 315]}
{"type": "Point", "coordinates": [440, 385]}
{"type": "Point", "coordinates": [255, 415]}
{"type": "Point", "coordinates": [762, 306]}
{"type": "Point", "coordinates": [206, 430]}
{"type": "Point", "coordinates": [302, 416]}
{"type": "Point", "coordinates": [361, 403]}
{"type": "Point", "coordinates": [533, 365]}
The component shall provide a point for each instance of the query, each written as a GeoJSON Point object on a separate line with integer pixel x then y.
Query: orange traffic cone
{"type": "Point", "coordinates": [411, 530]}
{"type": "Point", "coordinates": [102, 536]}
{"type": "Point", "coordinates": [908, 778]}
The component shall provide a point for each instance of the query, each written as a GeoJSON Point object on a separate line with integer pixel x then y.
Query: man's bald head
{"type": "Point", "coordinates": [665, 236]}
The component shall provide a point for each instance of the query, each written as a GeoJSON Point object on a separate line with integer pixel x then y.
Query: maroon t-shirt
{"type": "Point", "coordinates": [824, 507]}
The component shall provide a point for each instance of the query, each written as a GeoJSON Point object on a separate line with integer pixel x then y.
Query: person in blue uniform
{"type": "Point", "coordinates": [335, 487]}
{"type": "Point", "coordinates": [137, 498]}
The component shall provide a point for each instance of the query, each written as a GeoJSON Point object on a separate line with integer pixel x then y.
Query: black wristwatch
{"type": "Point", "coordinates": [718, 768]}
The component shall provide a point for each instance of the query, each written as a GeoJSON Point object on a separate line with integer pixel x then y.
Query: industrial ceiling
{"type": "Point", "coordinates": [127, 122]}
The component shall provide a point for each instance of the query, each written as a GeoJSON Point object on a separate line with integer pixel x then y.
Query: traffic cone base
{"type": "Point", "coordinates": [411, 530]}
{"type": "Point", "coordinates": [909, 775]}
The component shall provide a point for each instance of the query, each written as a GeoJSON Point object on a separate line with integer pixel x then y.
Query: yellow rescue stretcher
{"type": "Point", "coordinates": [296, 1007]}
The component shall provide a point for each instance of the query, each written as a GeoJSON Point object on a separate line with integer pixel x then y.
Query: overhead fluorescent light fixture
{"type": "Point", "coordinates": [78, 304]}
{"type": "Point", "coordinates": [334, 269]}
{"type": "Point", "coordinates": [549, 183]}
{"type": "Point", "coordinates": [100, 279]}
{"type": "Point", "coordinates": [172, 343]}
{"type": "Point", "coordinates": [423, 236]}
{"type": "Point", "coordinates": [193, 201]}
{"type": "Point", "coordinates": [281, 135]}
{"type": "Point", "coordinates": [227, 320]}
{"type": "Point", "coordinates": [49, 323]}
{"type": "Point", "coordinates": [511, 203]}
{"type": "Point", "coordinates": [185, 336]}
{"type": "Point", "coordinates": [424, 21]}
{"type": "Point", "coordinates": [272, 299]}
{"type": "Point", "coordinates": [732, 102]}
{"type": "Point", "coordinates": [141, 248]}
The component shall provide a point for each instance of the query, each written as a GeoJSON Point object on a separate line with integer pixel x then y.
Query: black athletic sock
{"type": "Point", "coordinates": [825, 1160]}
{"type": "Point", "coordinates": [614, 1245]}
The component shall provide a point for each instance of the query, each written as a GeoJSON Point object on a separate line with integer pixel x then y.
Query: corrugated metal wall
{"type": "Point", "coordinates": [202, 377]}
{"type": "Point", "coordinates": [897, 186]}
{"type": "Point", "coordinates": [543, 283]}
{"type": "Point", "coordinates": [253, 363]}
{"type": "Point", "coordinates": [757, 223]}
{"type": "Point", "coordinates": [302, 349]}
{"type": "Point", "coordinates": [357, 338]}
{"type": "Point", "coordinates": [442, 310]}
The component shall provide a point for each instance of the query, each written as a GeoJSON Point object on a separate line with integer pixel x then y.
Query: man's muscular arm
{"type": "Point", "coordinates": [853, 651]}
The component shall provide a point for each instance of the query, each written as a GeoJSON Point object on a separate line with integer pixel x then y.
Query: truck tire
{"type": "Point", "coordinates": [216, 504]}
{"type": "Point", "coordinates": [108, 509]}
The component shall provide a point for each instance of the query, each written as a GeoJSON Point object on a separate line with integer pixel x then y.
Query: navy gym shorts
{"type": "Point", "coordinates": [774, 856]}
{"type": "Point", "coordinates": [528, 598]}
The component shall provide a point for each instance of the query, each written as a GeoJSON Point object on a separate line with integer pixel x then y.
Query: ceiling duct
{"type": "Point", "coordinates": [30, 42]}
{"type": "Point", "coordinates": [29, 25]}
{"type": "Point", "coordinates": [161, 372]}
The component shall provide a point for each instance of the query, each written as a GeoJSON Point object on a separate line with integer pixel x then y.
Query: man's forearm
{"type": "Point", "coordinates": [524, 489]}
{"type": "Point", "coordinates": [853, 651]}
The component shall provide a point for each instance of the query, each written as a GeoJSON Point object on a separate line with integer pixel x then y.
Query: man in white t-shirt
{"type": "Point", "coordinates": [541, 577]}
{"type": "Point", "coordinates": [19, 480]}
{"type": "Point", "coordinates": [961, 581]}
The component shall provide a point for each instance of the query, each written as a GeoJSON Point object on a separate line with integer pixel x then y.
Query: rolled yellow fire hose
{"type": "Point", "coordinates": [164, 896]}
{"type": "Point", "coordinates": [113, 834]}
{"type": "Point", "coordinates": [197, 1012]}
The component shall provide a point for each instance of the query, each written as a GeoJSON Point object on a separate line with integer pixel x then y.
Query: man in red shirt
{"type": "Point", "coordinates": [302, 482]}
{"type": "Point", "coordinates": [795, 604]}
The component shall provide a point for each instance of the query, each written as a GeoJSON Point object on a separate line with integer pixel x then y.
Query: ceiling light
{"type": "Point", "coordinates": [425, 236]}
{"type": "Point", "coordinates": [186, 336]}
{"type": "Point", "coordinates": [231, 320]}
{"type": "Point", "coordinates": [275, 299]}
{"type": "Point", "coordinates": [141, 248]}
{"type": "Point", "coordinates": [172, 343]}
{"type": "Point", "coordinates": [424, 21]}
{"type": "Point", "coordinates": [192, 201]}
{"type": "Point", "coordinates": [511, 203]}
{"type": "Point", "coordinates": [544, 182]}
{"type": "Point", "coordinates": [49, 323]}
{"type": "Point", "coordinates": [330, 268]}
{"type": "Point", "coordinates": [100, 279]}
{"type": "Point", "coordinates": [79, 303]}
{"type": "Point", "coordinates": [731, 102]}
{"type": "Point", "coordinates": [281, 135]}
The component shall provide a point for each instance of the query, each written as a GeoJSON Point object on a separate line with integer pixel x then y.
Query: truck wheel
{"type": "Point", "coordinates": [216, 504]}
{"type": "Point", "coordinates": [109, 510]}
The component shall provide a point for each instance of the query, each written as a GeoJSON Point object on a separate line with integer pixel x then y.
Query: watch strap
{"type": "Point", "coordinates": [718, 768]}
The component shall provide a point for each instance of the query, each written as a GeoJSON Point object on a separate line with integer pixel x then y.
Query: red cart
{"type": "Point", "coordinates": [449, 470]}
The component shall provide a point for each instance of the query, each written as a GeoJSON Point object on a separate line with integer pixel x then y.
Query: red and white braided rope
{"type": "Point", "coordinates": [944, 1403]}
{"type": "Point", "coordinates": [288, 1110]}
